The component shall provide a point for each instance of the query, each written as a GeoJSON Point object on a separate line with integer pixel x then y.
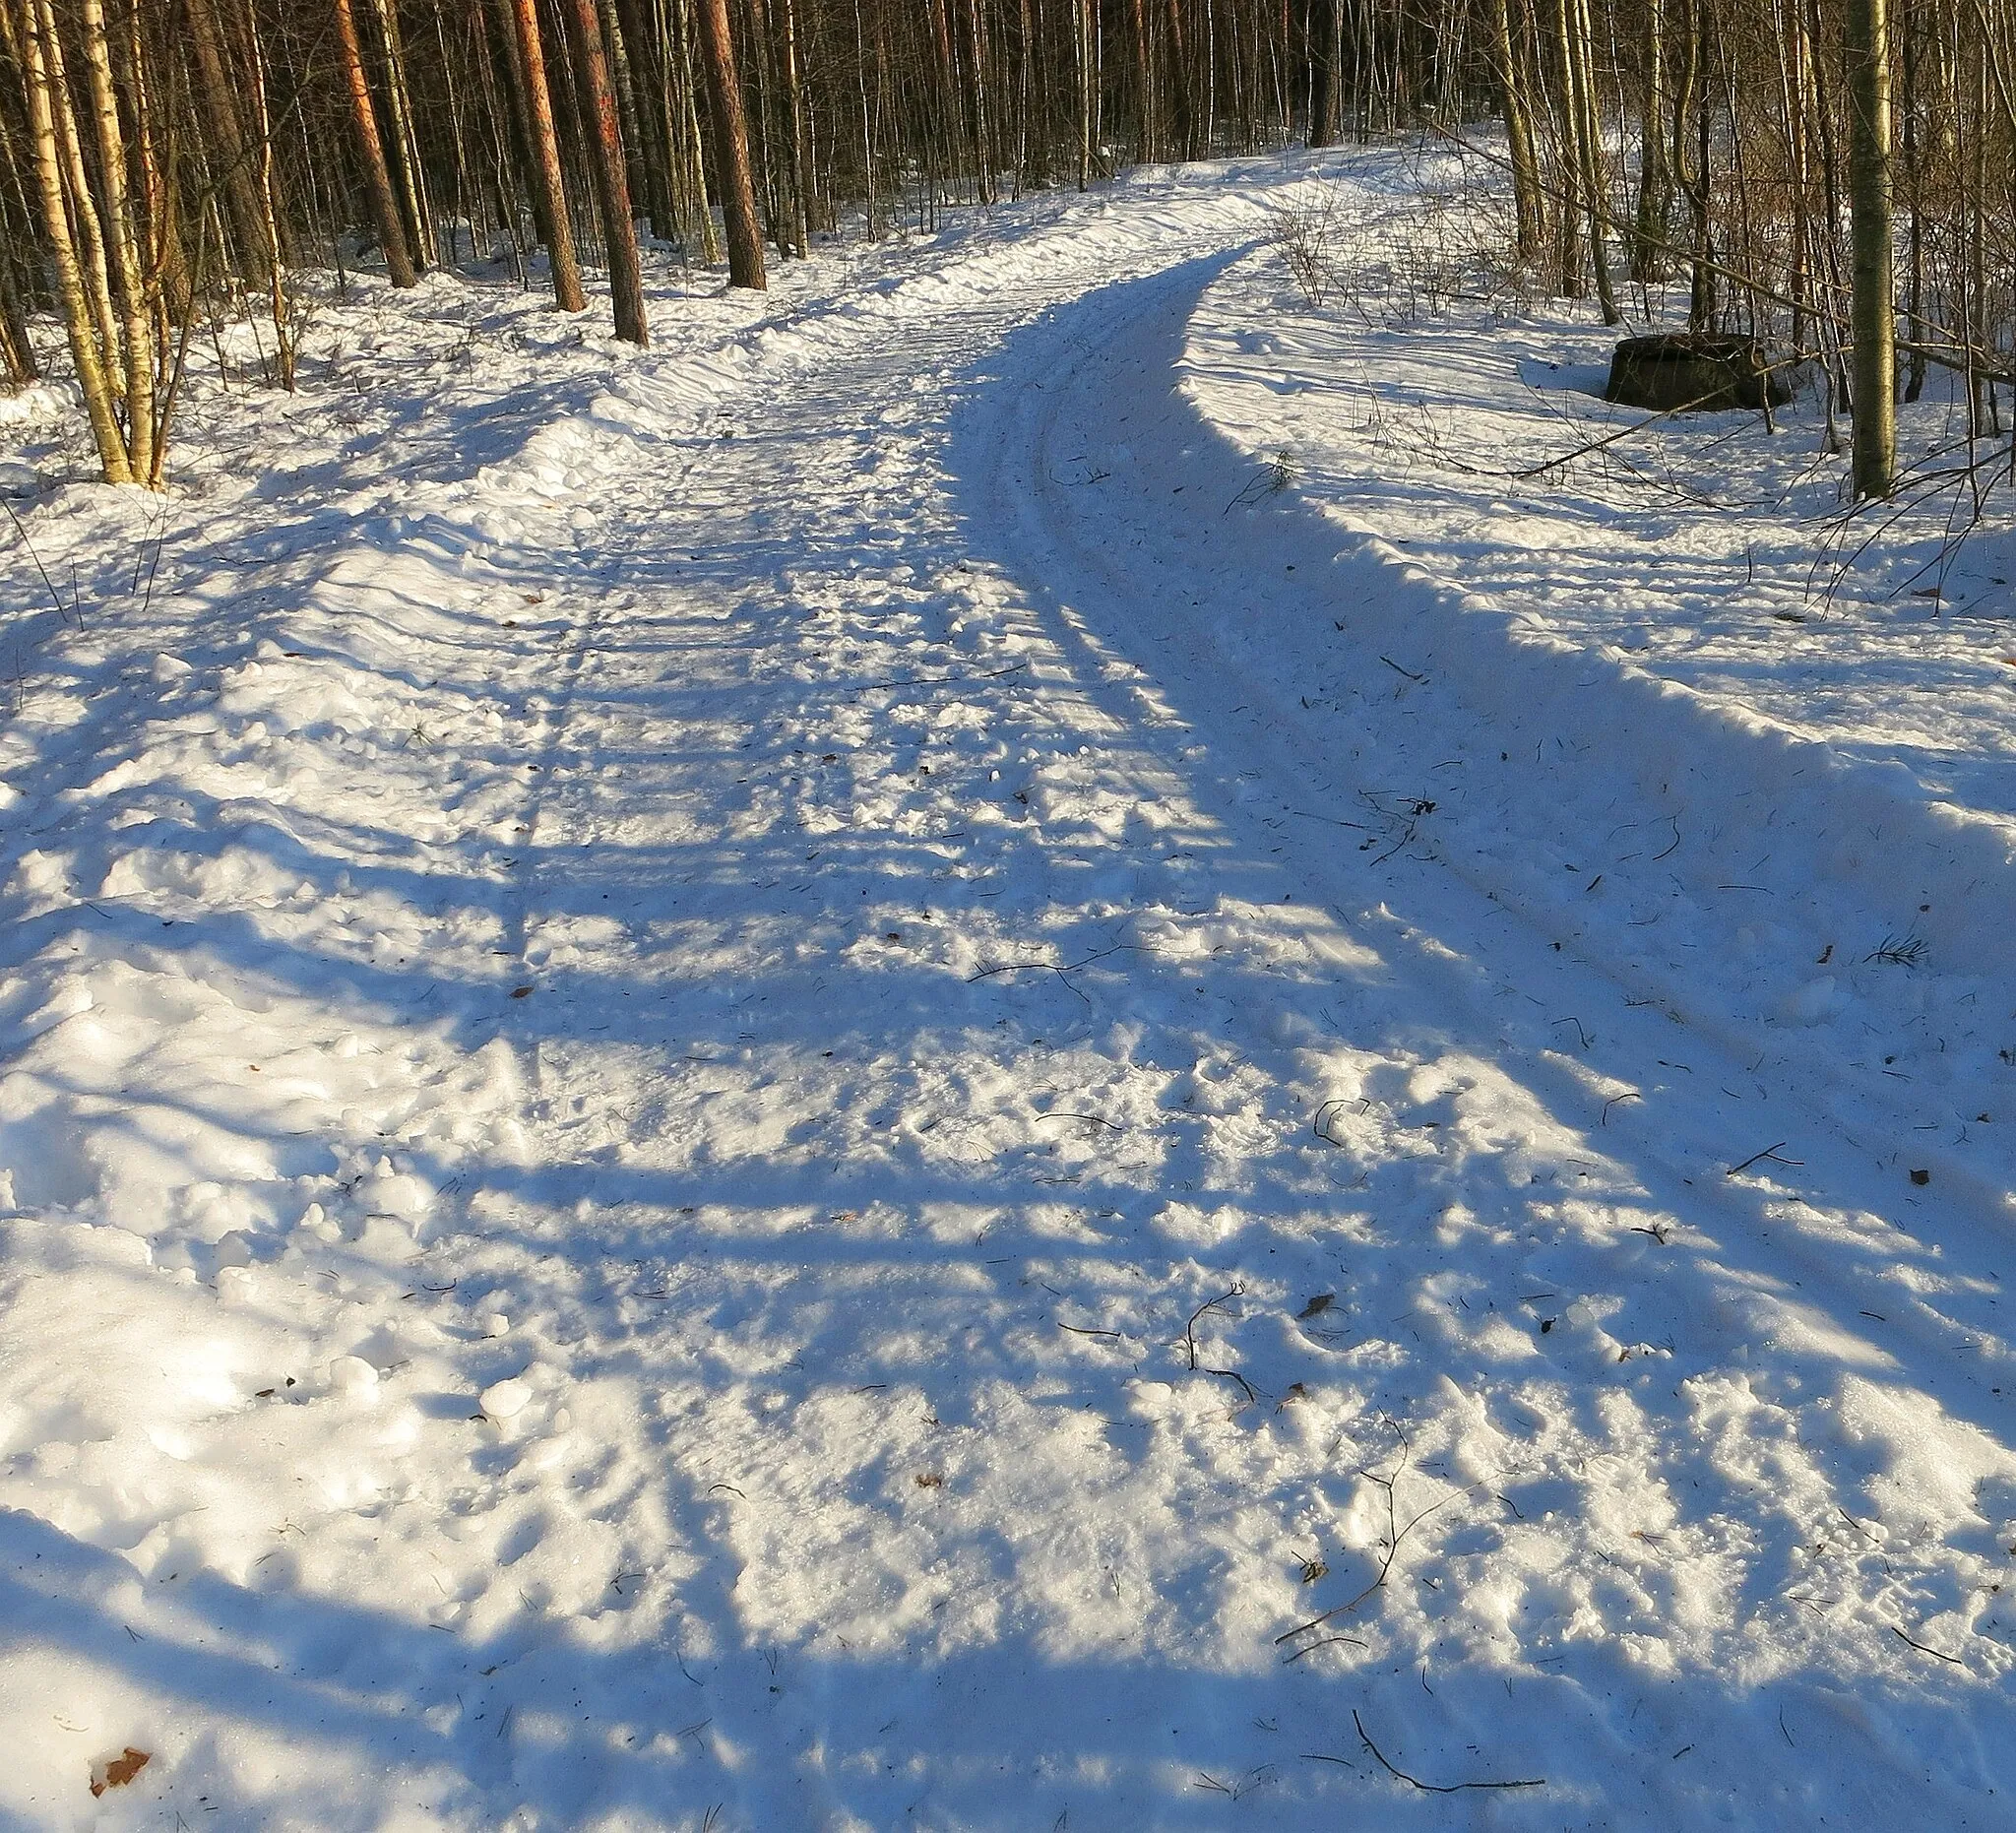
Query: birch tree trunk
{"type": "Point", "coordinates": [44, 99]}
{"type": "Point", "coordinates": [1871, 311]}
{"type": "Point", "coordinates": [86, 221]}
{"type": "Point", "coordinates": [136, 332]}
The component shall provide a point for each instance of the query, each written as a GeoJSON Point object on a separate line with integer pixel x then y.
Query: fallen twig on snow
{"type": "Point", "coordinates": [1190, 1328]}
{"type": "Point", "coordinates": [1756, 1157]}
{"type": "Point", "coordinates": [1935, 1654]}
{"type": "Point", "coordinates": [943, 680]}
{"type": "Point", "coordinates": [1395, 1536]}
{"type": "Point", "coordinates": [1062, 970]}
{"type": "Point", "coordinates": [1434, 1788]}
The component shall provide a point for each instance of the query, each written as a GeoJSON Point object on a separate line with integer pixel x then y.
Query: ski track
{"type": "Point", "coordinates": [796, 932]}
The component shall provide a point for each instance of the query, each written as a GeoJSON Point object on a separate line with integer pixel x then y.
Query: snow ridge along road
{"type": "Point", "coordinates": [787, 1110]}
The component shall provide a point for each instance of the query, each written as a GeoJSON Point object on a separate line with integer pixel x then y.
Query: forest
{"type": "Point", "coordinates": [169, 161]}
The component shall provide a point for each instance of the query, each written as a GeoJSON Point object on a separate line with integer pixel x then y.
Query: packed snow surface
{"type": "Point", "coordinates": [1028, 1041]}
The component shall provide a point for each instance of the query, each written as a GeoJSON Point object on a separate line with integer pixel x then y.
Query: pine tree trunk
{"type": "Point", "coordinates": [405, 147]}
{"type": "Point", "coordinates": [1183, 121]}
{"type": "Point", "coordinates": [611, 179]}
{"type": "Point", "coordinates": [1146, 147]}
{"type": "Point", "coordinates": [731, 147]}
{"type": "Point", "coordinates": [545, 148]}
{"type": "Point", "coordinates": [232, 158]}
{"type": "Point", "coordinates": [1326, 56]}
{"type": "Point", "coordinates": [1872, 311]}
{"type": "Point", "coordinates": [398, 261]}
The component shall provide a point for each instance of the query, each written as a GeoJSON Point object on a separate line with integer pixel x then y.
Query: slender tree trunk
{"type": "Point", "coordinates": [398, 261]}
{"type": "Point", "coordinates": [983, 111]}
{"type": "Point", "coordinates": [1589, 139]}
{"type": "Point", "coordinates": [695, 137]}
{"type": "Point", "coordinates": [1145, 147]}
{"type": "Point", "coordinates": [88, 225]}
{"type": "Point", "coordinates": [1086, 22]}
{"type": "Point", "coordinates": [1184, 113]}
{"type": "Point", "coordinates": [611, 179]}
{"type": "Point", "coordinates": [1527, 203]}
{"type": "Point", "coordinates": [45, 98]}
{"type": "Point", "coordinates": [1691, 171]}
{"type": "Point", "coordinates": [545, 148]}
{"type": "Point", "coordinates": [406, 163]}
{"type": "Point", "coordinates": [136, 331]}
{"type": "Point", "coordinates": [731, 147]}
{"type": "Point", "coordinates": [1871, 309]}
{"type": "Point", "coordinates": [227, 135]}
{"type": "Point", "coordinates": [1913, 178]}
{"type": "Point", "coordinates": [799, 168]}
{"type": "Point", "coordinates": [1653, 222]}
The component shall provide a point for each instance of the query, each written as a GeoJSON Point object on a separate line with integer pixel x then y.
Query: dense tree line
{"type": "Point", "coordinates": [163, 160]}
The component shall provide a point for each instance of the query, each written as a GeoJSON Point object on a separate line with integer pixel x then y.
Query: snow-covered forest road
{"type": "Point", "coordinates": [790, 1085]}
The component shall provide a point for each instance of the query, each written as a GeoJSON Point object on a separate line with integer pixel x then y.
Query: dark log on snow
{"type": "Point", "coordinates": [1704, 370]}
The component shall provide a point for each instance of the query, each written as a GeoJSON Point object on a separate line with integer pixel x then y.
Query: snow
{"type": "Point", "coordinates": [795, 1082]}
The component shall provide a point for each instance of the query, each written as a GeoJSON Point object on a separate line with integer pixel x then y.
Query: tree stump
{"type": "Point", "coordinates": [1701, 371]}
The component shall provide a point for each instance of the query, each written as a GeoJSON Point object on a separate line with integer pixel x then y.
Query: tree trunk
{"type": "Point", "coordinates": [1326, 59]}
{"type": "Point", "coordinates": [731, 147]}
{"type": "Point", "coordinates": [398, 261]}
{"type": "Point", "coordinates": [1086, 25]}
{"type": "Point", "coordinates": [693, 139]}
{"type": "Point", "coordinates": [1653, 222]}
{"type": "Point", "coordinates": [545, 149]}
{"type": "Point", "coordinates": [136, 332]}
{"type": "Point", "coordinates": [232, 159]}
{"type": "Point", "coordinates": [1529, 208]}
{"type": "Point", "coordinates": [1690, 171]}
{"type": "Point", "coordinates": [611, 179]}
{"type": "Point", "coordinates": [1145, 145]}
{"type": "Point", "coordinates": [1871, 311]}
{"type": "Point", "coordinates": [799, 168]}
{"type": "Point", "coordinates": [1589, 141]}
{"type": "Point", "coordinates": [45, 98]}
{"type": "Point", "coordinates": [87, 225]}
{"type": "Point", "coordinates": [1183, 122]}
{"type": "Point", "coordinates": [406, 163]}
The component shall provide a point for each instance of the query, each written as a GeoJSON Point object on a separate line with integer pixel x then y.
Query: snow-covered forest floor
{"type": "Point", "coordinates": [998, 1050]}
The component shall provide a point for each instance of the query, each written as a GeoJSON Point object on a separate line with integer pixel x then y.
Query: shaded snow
{"type": "Point", "coordinates": [753, 1079]}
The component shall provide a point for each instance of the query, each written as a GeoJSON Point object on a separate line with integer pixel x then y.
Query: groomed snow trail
{"type": "Point", "coordinates": [782, 1123]}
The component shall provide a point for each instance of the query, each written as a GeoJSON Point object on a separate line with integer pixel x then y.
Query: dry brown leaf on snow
{"type": "Point", "coordinates": [116, 1772]}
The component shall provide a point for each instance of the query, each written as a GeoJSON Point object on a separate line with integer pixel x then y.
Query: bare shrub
{"type": "Point", "coordinates": [1308, 230]}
